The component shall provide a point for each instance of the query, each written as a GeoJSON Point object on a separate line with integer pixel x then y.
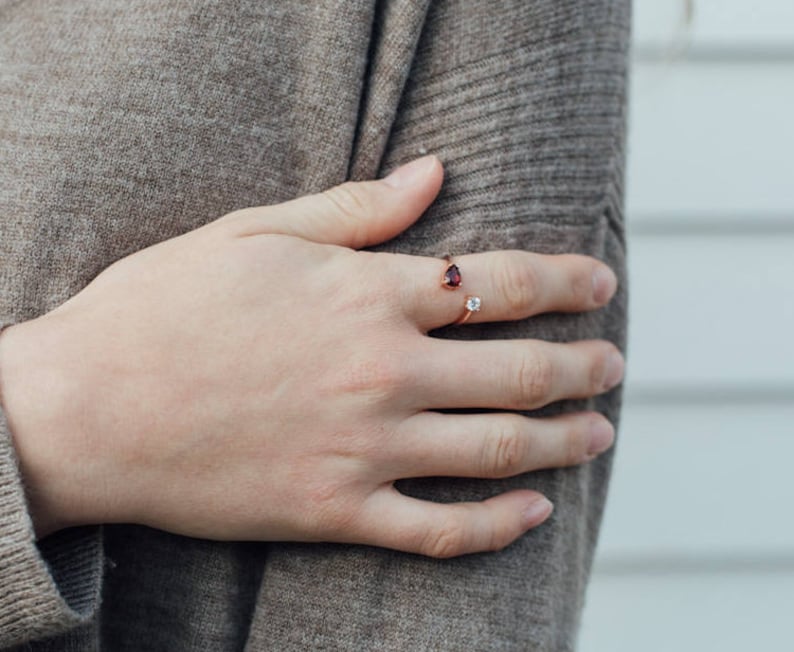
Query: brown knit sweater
{"type": "Point", "coordinates": [125, 123]}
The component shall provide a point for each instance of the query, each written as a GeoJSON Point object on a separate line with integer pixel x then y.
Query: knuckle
{"type": "Point", "coordinates": [447, 540]}
{"type": "Point", "coordinates": [348, 199]}
{"type": "Point", "coordinates": [519, 286]}
{"type": "Point", "coordinates": [350, 205]}
{"type": "Point", "coordinates": [581, 287]}
{"type": "Point", "coordinates": [535, 379]}
{"type": "Point", "coordinates": [575, 443]}
{"type": "Point", "coordinates": [327, 506]}
{"type": "Point", "coordinates": [235, 223]}
{"type": "Point", "coordinates": [504, 452]}
{"type": "Point", "coordinates": [499, 538]}
{"type": "Point", "coordinates": [598, 373]}
{"type": "Point", "coordinates": [380, 296]}
{"type": "Point", "coordinates": [385, 376]}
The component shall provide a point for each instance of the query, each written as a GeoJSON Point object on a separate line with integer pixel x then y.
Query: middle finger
{"type": "Point", "coordinates": [514, 374]}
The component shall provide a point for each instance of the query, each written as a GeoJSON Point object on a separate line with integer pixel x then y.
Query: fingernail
{"type": "Point", "coordinates": [410, 173]}
{"type": "Point", "coordinates": [614, 373]}
{"type": "Point", "coordinates": [604, 284]}
{"type": "Point", "coordinates": [601, 436]}
{"type": "Point", "coordinates": [537, 511]}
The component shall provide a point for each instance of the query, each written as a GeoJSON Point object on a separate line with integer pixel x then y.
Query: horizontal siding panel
{"type": "Point", "coordinates": [701, 481]}
{"type": "Point", "coordinates": [733, 23]}
{"type": "Point", "coordinates": [728, 612]}
{"type": "Point", "coordinates": [697, 545]}
{"type": "Point", "coordinates": [711, 141]}
{"type": "Point", "coordinates": [711, 313]}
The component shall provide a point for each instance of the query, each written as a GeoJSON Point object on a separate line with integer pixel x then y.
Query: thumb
{"type": "Point", "coordinates": [354, 214]}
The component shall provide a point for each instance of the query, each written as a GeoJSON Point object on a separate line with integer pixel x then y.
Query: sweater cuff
{"type": "Point", "coordinates": [45, 587]}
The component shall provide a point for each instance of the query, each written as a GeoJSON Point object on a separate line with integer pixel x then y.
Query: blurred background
{"type": "Point", "coordinates": [697, 548]}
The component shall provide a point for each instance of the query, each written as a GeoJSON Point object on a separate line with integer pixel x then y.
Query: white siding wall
{"type": "Point", "coordinates": [697, 550]}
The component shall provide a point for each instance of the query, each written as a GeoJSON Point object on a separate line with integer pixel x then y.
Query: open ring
{"type": "Point", "coordinates": [471, 305]}
{"type": "Point", "coordinates": [451, 279]}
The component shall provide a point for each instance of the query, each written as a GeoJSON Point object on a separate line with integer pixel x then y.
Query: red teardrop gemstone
{"type": "Point", "coordinates": [452, 277]}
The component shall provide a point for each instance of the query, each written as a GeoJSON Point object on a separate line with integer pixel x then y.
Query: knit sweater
{"type": "Point", "coordinates": [126, 123]}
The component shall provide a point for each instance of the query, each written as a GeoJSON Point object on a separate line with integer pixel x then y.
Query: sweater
{"type": "Point", "coordinates": [126, 123]}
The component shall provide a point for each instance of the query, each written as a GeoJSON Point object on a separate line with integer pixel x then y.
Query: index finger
{"type": "Point", "coordinates": [510, 285]}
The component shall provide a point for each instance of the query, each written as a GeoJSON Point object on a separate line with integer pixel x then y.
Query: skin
{"type": "Point", "coordinates": [260, 378]}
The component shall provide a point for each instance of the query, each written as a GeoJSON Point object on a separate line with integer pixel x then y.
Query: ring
{"type": "Point", "coordinates": [451, 279]}
{"type": "Point", "coordinates": [471, 305]}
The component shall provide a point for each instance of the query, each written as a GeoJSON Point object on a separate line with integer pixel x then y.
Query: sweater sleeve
{"type": "Point", "coordinates": [46, 587]}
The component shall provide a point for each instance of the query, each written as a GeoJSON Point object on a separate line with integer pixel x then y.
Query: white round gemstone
{"type": "Point", "coordinates": [473, 304]}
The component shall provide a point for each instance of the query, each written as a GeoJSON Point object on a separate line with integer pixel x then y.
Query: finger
{"type": "Point", "coordinates": [353, 214]}
{"type": "Point", "coordinates": [496, 445]}
{"type": "Point", "coordinates": [512, 285]}
{"type": "Point", "coordinates": [393, 520]}
{"type": "Point", "coordinates": [513, 374]}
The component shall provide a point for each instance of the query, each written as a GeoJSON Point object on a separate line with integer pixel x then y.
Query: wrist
{"type": "Point", "coordinates": [35, 398]}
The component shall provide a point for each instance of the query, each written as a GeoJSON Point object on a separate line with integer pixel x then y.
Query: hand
{"type": "Point", "coordinates": [261, 379]}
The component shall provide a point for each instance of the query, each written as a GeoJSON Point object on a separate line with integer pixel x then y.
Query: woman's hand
{"type": "Point", "coordinates": [259, 378]}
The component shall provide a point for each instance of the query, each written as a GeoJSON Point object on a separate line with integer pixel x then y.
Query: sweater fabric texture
{"type": "Point", "coordinates": [126, 123]}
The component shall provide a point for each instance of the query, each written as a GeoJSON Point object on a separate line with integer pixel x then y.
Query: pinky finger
{"type": "Point", "coordinates": [393, 520]}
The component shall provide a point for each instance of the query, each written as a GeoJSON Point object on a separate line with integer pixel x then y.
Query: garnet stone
{"type": "Point", "coordinates": [452, 278]}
